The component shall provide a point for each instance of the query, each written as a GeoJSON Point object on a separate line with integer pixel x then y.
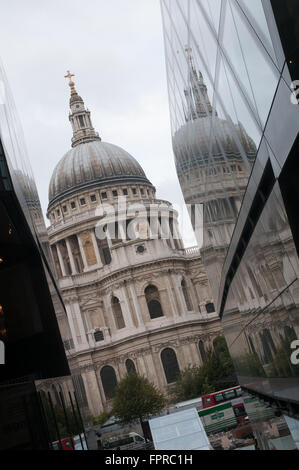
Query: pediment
{"type": "Point", "coordinates": [92, 303]}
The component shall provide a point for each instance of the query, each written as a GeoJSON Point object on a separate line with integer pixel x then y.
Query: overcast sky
{"type": "Point", "coordinates": [115, 49]}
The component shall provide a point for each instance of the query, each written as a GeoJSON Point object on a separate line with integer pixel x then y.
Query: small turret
{"type": "Point", "coordinates": [79, 117]}
{"type": "Point", "coordinates": [198, 103]}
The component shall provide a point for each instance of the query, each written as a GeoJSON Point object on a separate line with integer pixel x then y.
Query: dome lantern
{"type": "Point", "coordinates": [79, 117]}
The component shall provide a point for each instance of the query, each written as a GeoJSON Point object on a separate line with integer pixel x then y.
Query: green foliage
{"type": "Point", "coordinates": [215, 374]}
{"type": "Point", "coordinates": [66, 426]}
{"type": "Point", "coordinates": [101, 419]}
{"type": "Point", "coordinates": [281, 365]}
{"type": "Point", "coordinates": [136, 398]}
{"type": "Point", "coordinates": [250, 365]}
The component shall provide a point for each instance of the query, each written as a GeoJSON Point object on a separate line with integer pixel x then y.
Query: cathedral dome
{"type": "Point", "coordinates": [93, 164]}
{"type": "Point", "coordinates": [196, 140]}
{"type": "Point", "coordinates": [204, 133]}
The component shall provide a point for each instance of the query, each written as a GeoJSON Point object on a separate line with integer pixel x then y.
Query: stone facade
{"type": "Point", "coordinates": [125, 298]}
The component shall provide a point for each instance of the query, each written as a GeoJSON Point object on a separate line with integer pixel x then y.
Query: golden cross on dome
{"type": "Point", "coordinates": [69, 76]}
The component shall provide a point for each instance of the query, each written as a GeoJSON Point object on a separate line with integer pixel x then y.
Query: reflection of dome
{"type": "Point", "coordinates": [28, 187]}
{"type": "Point", "coordinates": [92, 164]}
{"type": "Point", "coordinates": [193, 142]}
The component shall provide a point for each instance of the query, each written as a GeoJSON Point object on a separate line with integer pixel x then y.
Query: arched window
{"type": "Point", "coordinates": [202, 351]}
{"type": "Point", "coordinates": [268, 346]}
{"type": "Point", "coordinates": [251, 344]}
{"type": "Point", "coordinates": [118, 316]}
{"type": "Point", "coordinates": [130, 366]}
{"type": "Point", "coordinates": [289, 333]}
{"type": "Point", "coordinates": [170, 365]}
{"type": "Point", "coordinates": [153, 302]}
{"type": "Point", "coordinates": [186, 295]}
{"type": "Point", "coordinates": [109, 381]}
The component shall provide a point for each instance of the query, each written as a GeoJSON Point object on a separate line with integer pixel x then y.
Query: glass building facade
{"type": "Point", "coordinates": [33, 414]}
{"type": "Point", "coordinates": [231, 70]}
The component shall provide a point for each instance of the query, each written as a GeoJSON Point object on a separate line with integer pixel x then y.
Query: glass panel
{"type": "Point", "coordinates": [218, 398]}
{"type": "Point", "coordinates": [255, 15]}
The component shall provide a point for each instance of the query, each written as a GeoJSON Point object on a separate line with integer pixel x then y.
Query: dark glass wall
{"type": "Point", "coordinates": [235, 125]}
{"type": "Point", "coordinates": [28, 325]}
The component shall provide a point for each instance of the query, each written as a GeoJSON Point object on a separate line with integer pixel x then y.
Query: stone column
{"type": "Point", "coordinates": [192, 292]}
{"type": "Point", "coordinates": [181, 297]}
{"type": "Point", "coordinates": [195, 353]}
{"type": "Point", "coordinates": [71, 325]}
{"type": "Point", "coordinates": [171, 238]}
{"type": "Point", "coordinates": [69, 250]}
{"type": "Point", "coordinates": [82, 253]}
{"type": "Point", "coordinates": [136, 306]}
{"type": "Point", "coordinates": [126, 311]}
{"type": "Point", "coordinates": [196, 296]}
{"type": "Point", "coordinates": [108, 238]}
{"type": "Point", "coordinates": [171, 297]}
{"type": "Point", "coordinates": [92, 392]}
{"type": "Point", "coordinates": [96, 248]}
{"type": "Point", "coordinates": [77, 312]}
{"type": "Point", "coordinates": [61, 262]}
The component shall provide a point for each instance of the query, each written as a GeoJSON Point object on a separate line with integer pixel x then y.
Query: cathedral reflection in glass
{"type": "Point", "coordinates": [230, 67]}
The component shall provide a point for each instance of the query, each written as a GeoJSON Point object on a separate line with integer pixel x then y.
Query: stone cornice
{"type": "Point", "coordinates": [150, 335]}
{"type": "Point", "coordinates": [143, 351]}
{"type": "Point", "coordinates": [130, 273]}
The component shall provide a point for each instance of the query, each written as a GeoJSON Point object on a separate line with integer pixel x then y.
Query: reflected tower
{"type": "Point", "coordinates": [213, 159]}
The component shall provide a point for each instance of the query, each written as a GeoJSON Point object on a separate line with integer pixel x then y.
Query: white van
{"type": "Point", "coordinates": [123, 441]}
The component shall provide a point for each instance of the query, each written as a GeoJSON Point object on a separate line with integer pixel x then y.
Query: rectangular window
{"type": "Point", "coordinates": [229, 395]}
{"type": "Point", "coordinates": [93, 198]}
{"type": "Point", "coordinates": [64, 209]}
{"type": "Point", "coordinates": [134, 191]}
{"type": "Point", "coordinates": [114, 193]}
{"type": "Point", "coordinates": [98, 336]}
{"type": "Point", "coordinates": [125, 192]}
{"type": "Point", "coordinates": [73, 205]}
{"type": "Point", "coordinates": [82, 201]}
{"type": "Point", "coordinates": [218, 398]}
{"type": "Point", "coordinates": [104, 195]}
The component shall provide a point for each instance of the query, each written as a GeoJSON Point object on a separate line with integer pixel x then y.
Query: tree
{"type": "Point", "coordinates": [215, 374]}
{"type": "Point", "coordinates": [136, 399]}
{"type": "Point", "coordinates": [67, 426]}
